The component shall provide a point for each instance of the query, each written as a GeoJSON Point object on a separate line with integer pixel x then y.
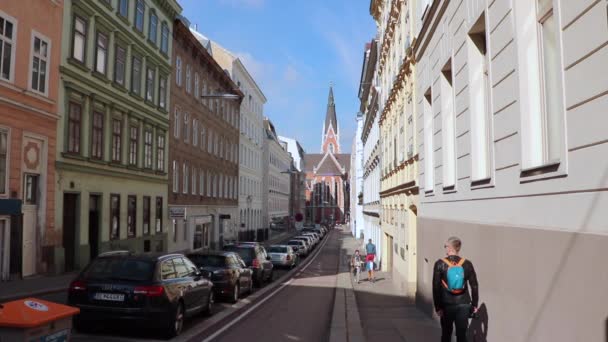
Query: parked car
{"type": "Point", "coordinates": [314, 230]}
{"type": "Point", "coordinates": [315, 237]}
{"type": "Point", "coordinates": [158, 289]}
{"type": "Point", "coordinates": [282, 255]}
{"type": "Point", "coordinates": [230, 276]}
{"type": "Point", "coordinates": [299, 246]}
{"type": "Point", "coordinates": [308, 239]}
{"type": "Point", "coordinates": [255, 257]}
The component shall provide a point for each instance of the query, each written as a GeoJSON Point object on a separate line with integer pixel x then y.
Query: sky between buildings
{"type": "Point", "coordinates": [294, 49]}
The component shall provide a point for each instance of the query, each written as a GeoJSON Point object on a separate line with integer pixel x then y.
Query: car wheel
{"type": "Point", "coordinates": [235, 294]}
{"type": "Point", "coordinates": [209, 308]}
{"type": "Point", "coordinates": [176, 323]}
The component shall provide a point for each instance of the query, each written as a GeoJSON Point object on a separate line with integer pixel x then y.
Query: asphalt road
{"type": "Point", "coordinates": [301, 311]}
{"type": "Point", "coordinates": [117, 332]}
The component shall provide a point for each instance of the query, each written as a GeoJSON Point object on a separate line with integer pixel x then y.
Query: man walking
{"type": "Point", "coordinates": [370, 250]}
{"type": "Point", "coordinates": [452, 277]}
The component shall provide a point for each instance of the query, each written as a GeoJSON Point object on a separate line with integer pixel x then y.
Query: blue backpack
{"type": "Point", "coordinates": [454, 282]}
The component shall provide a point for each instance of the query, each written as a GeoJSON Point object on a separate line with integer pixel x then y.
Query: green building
{"type": "Point", "coordinates": [112, 135]}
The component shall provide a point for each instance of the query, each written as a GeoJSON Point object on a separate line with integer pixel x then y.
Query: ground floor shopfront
{"type": "Point", "coordinates": [100, 210]}
{"type": "Point", "coordinates": [201, 227]}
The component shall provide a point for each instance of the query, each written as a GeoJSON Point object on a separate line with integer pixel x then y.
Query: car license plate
{"type": "Point", "coordinates": [114, 297]}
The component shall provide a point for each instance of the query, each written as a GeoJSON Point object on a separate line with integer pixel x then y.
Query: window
{"type": "Point", "coordinates": [203, 137]}
{"type": "Point", "coordinates": [120, 62]}
{"type": "Point", "coordinates": [208, 184]}
{"type": "Point", "coordinates": [185, 178]}
{"type": "Point", "coordinates": [153, 27]}
{"type": "Point", "coordinates": [194, 175]}
{"type": "Point", "coordinates": [196, 87]}
{"type": "Point", "coordinates": [116, 140]}
{"type": "Point", "coordinates": [140, 8]}
{"type": "Point", "coordinates": [448, 150]}
{"type": "Point", "coordinates": [114, 216]}
{"type": "Point", "coordinates": [175, 173]}
{"type": "Point", "coordinates": [159, 214]}
{"type": "Point", "coordinates": [136, 75]}
{"type": "Point", "coordinates": [148, 149]}
{"type": "Point", "coordinates": [3, 161]}
{"type": "Point", "coordinates": [150, 76]}
{"type": "Point", "coordinates": [160, 151]}
{"type": "Point", "coordinates": [131, 215]}
{"type": "Point", "coordinates": [429, 165]}
{"type": "Point", "coordinates": [195, 132]}
{"type": "Point", "coordinates": [164, 38]}
{"type": "Point", "coordinates": [123, 8]}
{"type": "Point", "coordinates": [186, 127]}
{"type": "Point", "coordinates": [133, 137]}
{"type": "Point", "coordinates": [79, 40]}
{"type": "Point", "coordinates": [74, 121]}
{"type": "Point", "coordinates": [162, 92]}
{"type": "Point", "coordinates": [180, 267]}
{"type": "Point", "coordinates": [188, 78]}
{"type": "Point", "coordinates": [479, 90]}
{"type": "Point", "coordinates": [101, 55]}
{"type": "Point", "coordinates": [201, 182]}
{"type": "Point", "coordinates": [40, 55]}
{"type": "Point", "coordinates": [97, 136]}
{"type": "Point", "coordinates": [178, 71]}
{"type": "Point", "coordinates": [146, 213]}
{"type": "Point", "coordinates": [176, 123]}
{"type": "Point", "coordinates": [210, 142]}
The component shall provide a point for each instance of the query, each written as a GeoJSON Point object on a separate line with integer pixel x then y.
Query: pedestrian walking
{"type": "Point", "coordinates": [452, 278]}
{"type": "Point", "coordinates": [355, 263]}
{"type": "Point", "coordinates": [370, 251]}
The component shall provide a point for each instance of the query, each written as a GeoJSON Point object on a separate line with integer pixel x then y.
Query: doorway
{"type": "Point", "coordinates": [30, 223]}
{"type": "Point", "coordinates": [389, 252]}
{"type": "Point", "coordinates": [94, 217]}
{"type": "Point", "coordinates": [70, 215]}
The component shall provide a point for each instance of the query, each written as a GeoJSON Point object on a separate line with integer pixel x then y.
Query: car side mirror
{"type": "Point", "coordinates": [204, 273]}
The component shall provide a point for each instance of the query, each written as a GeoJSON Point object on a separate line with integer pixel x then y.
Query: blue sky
{"type": "Point", "coordinates": [294, 49]}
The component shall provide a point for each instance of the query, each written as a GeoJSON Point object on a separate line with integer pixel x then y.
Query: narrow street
{"type": "Point", "coordinates": [301, 311]}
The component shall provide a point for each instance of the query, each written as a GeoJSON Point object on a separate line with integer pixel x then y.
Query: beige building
{"type": "Point", "coordinates": [397, 124]}
{"type": "Point", "coordinates": [512, 106]}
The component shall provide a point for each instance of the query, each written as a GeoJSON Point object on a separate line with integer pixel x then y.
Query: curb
{"type": "Point", "coordinates": [211, 325]}
{"type": "Point", "coordinates": [346, 322]}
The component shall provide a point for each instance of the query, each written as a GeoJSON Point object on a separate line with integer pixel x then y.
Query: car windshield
{"type": "Point", "coordinates": [277, 249]}
{"type": "Point", "coordinates": [246, 253]}
{"type": "Point", "coordinates": [208, 260]}
{"type": "Point", "coordinates": [120, 269]}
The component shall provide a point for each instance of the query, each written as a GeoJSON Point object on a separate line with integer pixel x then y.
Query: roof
{"type": "Point", "coordinates": [326, 163]}
{"type": "Point", "coordinates": [330, 115]}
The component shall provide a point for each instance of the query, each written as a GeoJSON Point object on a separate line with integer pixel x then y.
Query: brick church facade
{"type": "Point", "coordinates": [327, 174]}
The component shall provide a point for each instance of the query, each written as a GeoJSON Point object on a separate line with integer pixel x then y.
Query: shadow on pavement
{"type": "Point", "coordinates": [478, 328]}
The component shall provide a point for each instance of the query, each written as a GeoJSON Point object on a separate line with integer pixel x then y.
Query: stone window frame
{"type": "Point", "coordinates": [46, 59]}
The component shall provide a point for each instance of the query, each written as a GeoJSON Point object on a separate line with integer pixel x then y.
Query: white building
{"type": "Point", "coordinates": [251, 190]}
{"type": "Point", "coordinates": [356, 181]}
{"type": "Point", "coordinates": [277, 162]}
{"type": "Point", "coordinates": [513, 159]}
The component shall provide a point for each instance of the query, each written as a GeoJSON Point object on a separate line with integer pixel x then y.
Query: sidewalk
{"type": "Point", "coordinates": [34, 287]}
{"type": "Point", "coordinates": [385, 314]}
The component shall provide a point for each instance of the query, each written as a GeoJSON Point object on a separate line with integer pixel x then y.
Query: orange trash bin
{"type": "Point", "coordinates": [35, 320]}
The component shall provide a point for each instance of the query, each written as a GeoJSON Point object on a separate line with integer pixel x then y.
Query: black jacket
{"type": "Point", "coordinates": [442, 297]}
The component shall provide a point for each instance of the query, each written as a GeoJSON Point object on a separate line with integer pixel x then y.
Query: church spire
{"type": "Point", "coordinates": [330, 116]}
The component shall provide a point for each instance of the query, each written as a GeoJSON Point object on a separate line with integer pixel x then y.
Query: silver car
{"type": "Point", "coordinates": [282, 255]}
{"type": "Point", "coordinates": [315, 236]}
{"type": "Point", "coordinates": [307, 239]}
{"type": "Point", "coordinates": [299, 246]}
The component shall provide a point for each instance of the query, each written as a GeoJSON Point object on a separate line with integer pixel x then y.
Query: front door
{"type": "Point", "coordinates": [70, 207]}
{"type": "Point", "coordinates": [94, 208]}
{"type": "Point", "coordinates": [30, 222]}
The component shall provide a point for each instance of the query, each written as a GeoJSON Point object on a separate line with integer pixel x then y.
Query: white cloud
{"type": "Point", "coordinates": [244, 3]}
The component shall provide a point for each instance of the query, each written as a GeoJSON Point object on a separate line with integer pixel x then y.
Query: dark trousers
{"type": "Point", "coordinates": [455, 314]}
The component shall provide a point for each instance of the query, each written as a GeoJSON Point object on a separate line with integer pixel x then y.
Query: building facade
{"type": "Point", "coordinates": [356, 179]}
{"type": "Point", "coordinates": [513, 98]}
{"type": "Point", "coordinates": [369, 93]}
{"type": "Point", "coordinates": [251, 176]}
{"type": "Point", "coordinates": [112, 135]}
{"type": "Point", "coordinates": [297, 199]}
{"type": "Point", "coordinates": [327, 194]}
{"type": "Point", "coordinates": [203, 148]}
{"type": "Point", "coordinates": [29, 79]}
{"type": "Point", "coordinates": [277, 162]}
{"type": "Point", "coordinates": [399, 163]}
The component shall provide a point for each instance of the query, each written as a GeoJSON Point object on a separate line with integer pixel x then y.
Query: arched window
{"type": "Point", "coordinates": [331, 148]}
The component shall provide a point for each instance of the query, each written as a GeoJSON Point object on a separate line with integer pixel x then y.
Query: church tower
{"type": "Point", "coordinates": [331, 137]}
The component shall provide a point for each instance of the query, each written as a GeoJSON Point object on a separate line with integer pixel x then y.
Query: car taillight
{"type": "Point", "coordinates": [150, 291]}
{"type": "Point", "coordinates": [255, 263]}
{"type": "Point", "coordinates": [78, 285]}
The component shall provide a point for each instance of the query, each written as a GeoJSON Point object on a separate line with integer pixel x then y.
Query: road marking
{"type": "Point", "coordinates": [263, 300]}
